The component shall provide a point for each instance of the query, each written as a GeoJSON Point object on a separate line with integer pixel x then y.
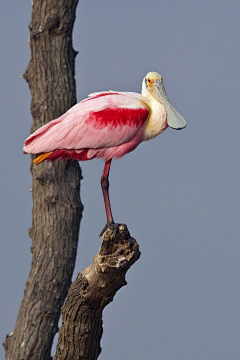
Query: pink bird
{"type": "Point", "coordinates": [106, 125]}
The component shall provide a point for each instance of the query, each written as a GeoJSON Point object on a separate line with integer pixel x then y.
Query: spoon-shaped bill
{"type": "Point", "coordinates": [174, 119]}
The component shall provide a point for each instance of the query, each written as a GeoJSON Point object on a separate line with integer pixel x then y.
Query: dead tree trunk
{"type": "Point", "coordinates": [57, 207]}
{"type": "Point", "coordinates": [81, 330]}
{"type": "Point", "coordinates": [56, 216]}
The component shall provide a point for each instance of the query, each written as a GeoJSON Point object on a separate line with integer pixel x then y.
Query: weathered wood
{"type": "Point", "coordinates": [81, 330]}
{"type": "Point", "coordinates": [57, 207]}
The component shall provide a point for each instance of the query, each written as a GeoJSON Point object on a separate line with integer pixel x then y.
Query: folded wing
{"type": "Point", "coordinates": [96, 126]}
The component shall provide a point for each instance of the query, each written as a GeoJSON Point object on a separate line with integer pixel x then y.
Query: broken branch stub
{"type": "Point", "coordinates": [81, 330]}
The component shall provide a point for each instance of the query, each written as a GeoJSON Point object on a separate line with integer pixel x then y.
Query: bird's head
{"type": "Point", "coordinates": [152, 87]}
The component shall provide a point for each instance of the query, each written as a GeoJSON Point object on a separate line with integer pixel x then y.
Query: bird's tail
{"type": "Point", "coordinates": [42, 157]}
{"type": "Point", "coordinates": [80, 155]}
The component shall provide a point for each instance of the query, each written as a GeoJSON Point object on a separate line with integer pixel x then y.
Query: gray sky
{"type": "Point", "coordinates": [178, 194]}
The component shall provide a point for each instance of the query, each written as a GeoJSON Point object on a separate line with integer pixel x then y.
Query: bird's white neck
{"type": "Point", "coordinates": [157, 121]}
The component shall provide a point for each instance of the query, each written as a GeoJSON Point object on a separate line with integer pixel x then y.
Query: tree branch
{"type": "Point", "coordinates": [81, 330]}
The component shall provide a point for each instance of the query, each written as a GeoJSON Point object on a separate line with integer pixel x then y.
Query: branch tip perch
{"type": "Point", "coordinates": [93, 289]}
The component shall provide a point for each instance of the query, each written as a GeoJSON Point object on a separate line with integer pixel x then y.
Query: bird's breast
{"type": "Point", "coordinates": [157, 121]}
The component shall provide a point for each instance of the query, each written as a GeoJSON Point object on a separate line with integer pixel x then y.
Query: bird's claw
{"type": "Point", "coordinates": [112, 226]}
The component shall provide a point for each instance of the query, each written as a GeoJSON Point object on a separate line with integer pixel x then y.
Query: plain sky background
{"type": "Point", "coordinates": [178, 194]}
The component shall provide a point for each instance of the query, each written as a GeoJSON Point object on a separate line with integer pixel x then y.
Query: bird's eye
{"type": "Point", "coordinates": [149, 80]}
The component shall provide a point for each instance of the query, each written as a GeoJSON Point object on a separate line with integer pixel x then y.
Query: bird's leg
{"type": "Point", "coordinates": [105, 187]}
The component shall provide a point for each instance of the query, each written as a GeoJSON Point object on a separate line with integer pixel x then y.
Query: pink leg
{"type": "Point", "coordinates": [105, 187]}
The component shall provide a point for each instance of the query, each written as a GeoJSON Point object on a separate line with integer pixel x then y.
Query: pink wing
{"type": "Point", "coordinates": [107, 124]}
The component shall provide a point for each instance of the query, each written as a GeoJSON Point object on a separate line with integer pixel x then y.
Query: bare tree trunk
{"type": "Point", "coordinates": [81, 330]}
{"type": "Point", "coordinates": [56, 215]}
{"type": "Point", "coordinates": [57, 207]}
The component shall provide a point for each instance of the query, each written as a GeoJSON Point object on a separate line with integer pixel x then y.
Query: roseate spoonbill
{"type": "Point", "coordinates": [106, 125]}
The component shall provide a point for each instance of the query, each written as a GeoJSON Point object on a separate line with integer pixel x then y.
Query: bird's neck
{"type": "Point", "coordinates": [157, 121]}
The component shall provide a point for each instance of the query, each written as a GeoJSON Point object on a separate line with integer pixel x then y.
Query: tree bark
{"type": "Point", "coordinates": [57, 207]}
{"type": "Point", "coordinates": [81, 330]}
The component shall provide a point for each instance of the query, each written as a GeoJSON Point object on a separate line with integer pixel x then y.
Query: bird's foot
{"type": "Point", "coordinates": [112, 226]}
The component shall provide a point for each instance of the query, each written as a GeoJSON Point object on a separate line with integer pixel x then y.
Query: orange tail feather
{"type": "Point", "coordinates": [41, 158]}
